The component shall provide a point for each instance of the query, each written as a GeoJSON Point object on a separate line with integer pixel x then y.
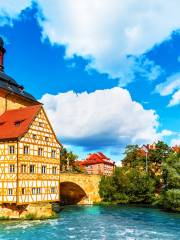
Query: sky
{"type": "Point", "coordinates": [107, 71]}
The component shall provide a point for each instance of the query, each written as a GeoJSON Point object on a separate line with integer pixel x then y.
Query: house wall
{"type": "Point", "coordinates": [22, 183]}
{"type": "Point", "coordinates": [8, 180]}
{"type": "Point", "coordinates": [102, 169]}
{"type": "Point", "coordinates": [45, 181]}
{"type": "Point", "coordinates": [8, 102]}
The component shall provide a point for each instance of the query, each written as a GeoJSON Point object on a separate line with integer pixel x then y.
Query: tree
{"type": "Point", "coordinates": [171, 175]}
{"type": "Point", "coordinates": [68, 161]}
{"type": "Point", "coordinates": [128, 185]}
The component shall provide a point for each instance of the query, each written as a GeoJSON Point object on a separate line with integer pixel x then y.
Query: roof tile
{"type": "Point", "coordinates": [15, 123]}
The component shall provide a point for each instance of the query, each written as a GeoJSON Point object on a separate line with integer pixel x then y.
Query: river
{"type": "Point", "coordinates": [95, 222]}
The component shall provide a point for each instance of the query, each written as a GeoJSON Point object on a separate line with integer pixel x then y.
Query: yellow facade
{"type": "Point", "coordinates": [10, 101]}
{"type": "Point", "coordinates": [30, 166]}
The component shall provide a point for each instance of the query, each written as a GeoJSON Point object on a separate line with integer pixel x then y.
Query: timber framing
{"type": "Point", "coordinates": [30, 164]}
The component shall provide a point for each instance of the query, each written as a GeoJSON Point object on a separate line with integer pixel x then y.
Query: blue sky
{"type": "Point", "coordinates": [104, 83]}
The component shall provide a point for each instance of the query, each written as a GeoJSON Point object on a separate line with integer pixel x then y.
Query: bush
{"type": "Point", "coordinates": [171, 199]}
{"type": "Point", "coordinates": [126, 186]}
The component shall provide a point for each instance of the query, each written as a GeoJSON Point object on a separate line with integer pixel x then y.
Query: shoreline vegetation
{"type": "Point", "coordinates": [153, 181]}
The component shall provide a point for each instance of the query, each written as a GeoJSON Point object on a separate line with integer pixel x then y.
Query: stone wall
{"type": "Point", "coordinates": [30, 212]}
{"type": "Point", "coordinates": [88, 183]}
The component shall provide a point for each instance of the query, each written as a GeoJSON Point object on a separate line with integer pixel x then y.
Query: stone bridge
{"type": "Point", "coordinates": [79, 188]}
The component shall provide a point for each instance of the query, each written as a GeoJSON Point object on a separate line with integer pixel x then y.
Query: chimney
{"type": "Point", "coordinates": [2, 52]}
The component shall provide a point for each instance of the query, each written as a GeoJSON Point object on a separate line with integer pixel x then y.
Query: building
{"type": "Point", "coordinates": [98, 163]}
{"type": "Point", "coordinates": [29, 149]}
{"type": "Point", "coordinates": [176, 149]}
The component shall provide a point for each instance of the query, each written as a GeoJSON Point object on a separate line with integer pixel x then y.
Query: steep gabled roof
{"type": "Point", "coordinates": [96, 158]}
{"type": "Point", "coordinates": [9, 84]}
{"type": "Point", "coordinates": [15, 123]}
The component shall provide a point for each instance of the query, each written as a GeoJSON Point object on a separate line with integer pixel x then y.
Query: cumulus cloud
{"type": "Point", "coordinates": [170, 87]}
{"type": "Point", "coordinates": [10, 9]}
{"type": "Point", "coordinates": [101, 119]}
{"type": "Point", "coordinates": [175, 100]}
{"type": "Point", "coordinates": [107, 31]}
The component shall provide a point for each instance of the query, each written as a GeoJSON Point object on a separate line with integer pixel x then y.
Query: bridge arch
{"type": "Point", "coordinates": [71, 193]}
{"type": "Point", "coordinates": [79, 188]}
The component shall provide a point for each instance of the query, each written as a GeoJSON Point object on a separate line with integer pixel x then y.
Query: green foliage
{"type": "Point", "coordinates": [171, 199]}
{"type": "Point", "coordinates": [33, 216]}
{"type": "Point", "coordinates": [127, 186]}
{"type": "Point", "coordinates": [4, 218]}
{"type": "Point", "coordinates": [107, 189]}
{"type": "Point", "coordinates": [171, 176]}
{"type": "Point", "coordinates": [68, 160]}
{"type": "Point", "coordinates": [159, 186]}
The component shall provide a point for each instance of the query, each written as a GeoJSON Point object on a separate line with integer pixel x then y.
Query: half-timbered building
{"type": "Point", "coordinates": [29, 148]}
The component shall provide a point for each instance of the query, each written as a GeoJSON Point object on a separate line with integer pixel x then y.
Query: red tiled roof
{"type": "Point", "coordinates": [15, 123]}
{"type": "Point", "coordinates": [176, 148]}
{"type": "Point", "coordinates": [96, 158]}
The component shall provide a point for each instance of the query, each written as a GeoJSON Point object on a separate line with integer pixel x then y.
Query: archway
{"type": "Point", "coordinates": [71, 193]}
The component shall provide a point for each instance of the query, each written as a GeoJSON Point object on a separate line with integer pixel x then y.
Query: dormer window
{"type": "Point", "coordinates": [2, 123]}
{"type": "Point", "coordinates": [18, 123]}
{"type": "Point", "coordinates": [21, 89]}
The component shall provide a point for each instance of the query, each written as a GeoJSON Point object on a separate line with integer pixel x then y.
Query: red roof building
{"type": "Point", "coordinates": [15, 123]}
{"type": "Point", "coordinates": [176, 148]}
{"type": "Point", "coordinates": [98, 163]}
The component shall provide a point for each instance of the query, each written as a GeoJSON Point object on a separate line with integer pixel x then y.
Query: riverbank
{"type": "Point", "coordinates": [152, 205]}
{"type": "Point", "coordinates": [38, 211]}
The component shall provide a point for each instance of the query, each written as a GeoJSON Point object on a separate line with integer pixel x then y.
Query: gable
{"type": "Point", "coordinates": [41, 132]}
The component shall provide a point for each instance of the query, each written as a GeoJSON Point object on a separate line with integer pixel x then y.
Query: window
{"type": "Point", "coordinates": [46, 139]}
{"type": "Point", "coordinates": [53, 153]}
{"type": "Point", "coordinates": [54, 170]}
{"type": "Point", "coordinates": [2, 123]}
{"type": "Point", "coordinates": [10, 191]}
{"type": "Point", "coordinates": [23, 168]}
{"type": "Point", "coordinates": [53, 190]}
{"type": "Point", "coordinates": [17, 124]}
{"type": "Point", "coordinates": [32, 169]}
{"type": "Point", "coordinates": [23, 191]}
{"type": "Point", "coordinates": [11, 168]}
{"type": "Point", "coordinates": [43, 169]}
{"type": "Point", "coordinates": [11, 149]}
{"type": "Point", "coordinates": [38, 190]}
{"type": "Point", "coordinates": [34, 136]}
{"type": "Point", "coordinates": [40, 151]}
{"type": "Point", "coordinates": [40, 124]}
{"type": "Point", "coordinates": [26, 149]}
{"type": "Point", "coordinates": [33, 191]}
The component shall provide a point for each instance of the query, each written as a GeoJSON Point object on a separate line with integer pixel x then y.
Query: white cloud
{"type": "Point", "coordinates": [175, 100]}
{"type": "Point", "coordinates": [104, 118]}
{"type": "Point", "coordinates": [10, 9]}
{"type": "Point", "coordinates": [170, 87]}
{"type": "Point", "coordinates": [166, 133]}
{"type": "Point", "coordinates": [106, 31]}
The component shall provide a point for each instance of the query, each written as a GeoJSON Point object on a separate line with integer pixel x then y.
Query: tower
{"type": "Point", "coordinates": [12, 95]}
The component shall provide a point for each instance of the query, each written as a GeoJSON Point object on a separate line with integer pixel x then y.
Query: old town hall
{"type": "Point", "coordinates": [29, 148]}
